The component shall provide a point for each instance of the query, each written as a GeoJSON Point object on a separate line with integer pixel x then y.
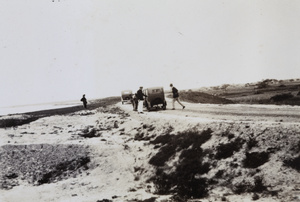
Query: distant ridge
{"type": "Point", "coordinates": [200, 97]}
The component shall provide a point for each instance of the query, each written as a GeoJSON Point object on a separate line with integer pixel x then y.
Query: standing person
{"type": "Point", "coordinates": [134, 101]}
{"type": "Point", "coordinates": [176, 97]}
{"type": "Point", "coordinates": [84, 101]}
{"type": "Point", "coordinates": [140, 96]}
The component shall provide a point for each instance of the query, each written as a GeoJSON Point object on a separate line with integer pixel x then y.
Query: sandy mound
{"type": "Point", "coordinates": [111, 153]}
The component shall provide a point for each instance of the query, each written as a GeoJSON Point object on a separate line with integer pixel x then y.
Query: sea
{"type": "Point", "coordinates": [18, 109]}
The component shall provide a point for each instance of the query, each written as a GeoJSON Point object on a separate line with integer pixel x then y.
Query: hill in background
{"type": "Point", "coordinates": [268, 91]}
{"type": "Point", "coordinates": [201, 97]}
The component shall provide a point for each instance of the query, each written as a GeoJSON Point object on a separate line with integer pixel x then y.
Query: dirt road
{"type": "Point", "coordinates": [229, 112]}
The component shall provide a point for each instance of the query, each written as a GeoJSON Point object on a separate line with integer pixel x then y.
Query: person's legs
{"type": "Point", "coordinates": [173, 103]}
{"type": "Point", "coordinates": [177, 99]}
{"type": "Point", "coordinates": [140, 106]}
{"type": "Point", "coordinates": [136, 105]}
{"type": "Point", "coordinates": [133, 104]}
{"type": "Point", "coordinates": [179, 102]}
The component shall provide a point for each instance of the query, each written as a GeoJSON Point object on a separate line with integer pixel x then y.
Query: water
{"type": "Point", "coordinates": [36, 107]}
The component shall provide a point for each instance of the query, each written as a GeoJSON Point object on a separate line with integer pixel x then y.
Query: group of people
{"type": "Point", "coordinates": [137, 99]}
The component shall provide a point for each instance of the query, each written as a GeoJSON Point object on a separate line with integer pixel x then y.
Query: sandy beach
{"type": "Point", "coordinates": [110, 153]}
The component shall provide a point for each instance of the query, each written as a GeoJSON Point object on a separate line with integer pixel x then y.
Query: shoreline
{"type": "Point", "coordinates": [27, 117]}
{"type": "Point", "coordinates": [23, 109]}
{"type": "Point", "coordinates": [51, 109]}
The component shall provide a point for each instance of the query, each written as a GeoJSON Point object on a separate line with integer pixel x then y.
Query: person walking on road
{"type": "Point", "coordinates": [140, 96]}
{"type": "Point", "coordinates": [84, 101]}
{"type": "Point", "coordinates": [175, 96]}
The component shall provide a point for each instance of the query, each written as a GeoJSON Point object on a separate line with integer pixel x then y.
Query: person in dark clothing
{"type": "Point", "coordinates": [140, 97]}
{"type": "Point", "coordinates": [134, 101]}
{"type": "Point", "coordinates": [84, 101]}
{"type": "Point", "coordinates": [175, 96]}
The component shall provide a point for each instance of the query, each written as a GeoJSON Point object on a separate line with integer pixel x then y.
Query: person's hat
{"type": "Point", "coordinates": [141, 86]}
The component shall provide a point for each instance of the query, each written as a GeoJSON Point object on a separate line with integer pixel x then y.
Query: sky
{"type": "Point", "coordinates": [57, 50]}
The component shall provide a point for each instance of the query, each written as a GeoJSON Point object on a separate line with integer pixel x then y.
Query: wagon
{"type": "Point", "coordinates": [126, 96]}
{"type": "Point", "coordinates": [155, 98]}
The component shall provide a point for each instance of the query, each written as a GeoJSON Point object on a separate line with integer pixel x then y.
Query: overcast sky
{"type": "Point", "coordinates": [52, 51]}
